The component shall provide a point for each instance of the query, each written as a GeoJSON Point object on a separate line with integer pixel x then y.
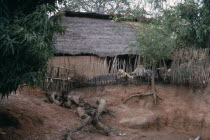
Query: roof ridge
{"type": "Point", "coordinates": [88, 15]}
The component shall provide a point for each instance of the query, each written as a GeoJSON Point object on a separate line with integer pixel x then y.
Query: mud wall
{"type": "Point", "coordinates": [84, 65]}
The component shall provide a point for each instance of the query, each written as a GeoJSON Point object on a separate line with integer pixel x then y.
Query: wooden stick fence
{"type": "Point", "coordinates": [189, 67]}
{"type": "Point", "coordinates": [59, 79]}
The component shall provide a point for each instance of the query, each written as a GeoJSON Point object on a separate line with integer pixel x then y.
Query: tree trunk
{"type": "Point", "coordinates": [153, 85]}
{"type": "Point", "coordinates": [153, 78]}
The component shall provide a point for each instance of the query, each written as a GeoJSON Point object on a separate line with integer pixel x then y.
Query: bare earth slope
{"type": "Point", "coordinates": [183, 114]}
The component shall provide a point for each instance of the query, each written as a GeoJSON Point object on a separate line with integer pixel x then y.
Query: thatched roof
{"type": "Point", "coordinates": [94, 35]}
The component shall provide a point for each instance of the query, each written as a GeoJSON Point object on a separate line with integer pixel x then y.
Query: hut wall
{"type": "Point", "coordinates": [83, 65]}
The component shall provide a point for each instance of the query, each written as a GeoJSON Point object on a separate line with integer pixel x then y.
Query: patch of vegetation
{"type": "Point", "coordinates": [6, 120]}
{"type": "Point", "coordinates": [190, 23]}
{"type": "Point", "coordinates": [27, 39]}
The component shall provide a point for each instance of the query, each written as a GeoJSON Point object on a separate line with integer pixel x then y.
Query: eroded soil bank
{"type": "Point", "coordinates": [183, 114]}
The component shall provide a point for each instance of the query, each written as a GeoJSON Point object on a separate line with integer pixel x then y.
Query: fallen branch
{"type": "Point", "coordinates": [101, 106]}
{"type": "Point", "coordinates": [139, 94]}
{"type": "Point", "coordinates": [86, 121]}
{"type": "Point", "coordinates": [98, 124]}
{"type": "Point", "coordinates": [52, 98]}
{"type": "Point", "coordinates": [88, 113]}
{"type": "Point", "coordinates": [81, 113]}
{"type": "Point", "coordinates": [96, 121]}
{"type": "Point", "coordinates": [75, 99]}
{"type": "Point", "coordinates": [106, 111]}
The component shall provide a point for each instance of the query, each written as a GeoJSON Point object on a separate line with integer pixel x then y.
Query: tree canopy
{"type": "Point", "coordinates": [190, 22]}
{"type": "Point", "coordinates": [27, 40]}
{"type": "Point", "coordinates": [154, 43]}
{"type": "Point", "coordinates": [185, 25]}
{"type": "Point", "coordinates": [97, 6]}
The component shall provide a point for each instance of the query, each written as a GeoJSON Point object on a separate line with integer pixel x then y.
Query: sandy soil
{"type": "Point", "coordinates": [183, 114]}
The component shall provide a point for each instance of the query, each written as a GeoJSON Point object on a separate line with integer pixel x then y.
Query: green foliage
{"type": "Point", "coordinates": [190, 22]}
{"type": "Point", "coordinates": [12, 8]}
{"type": "Point", "coordinates": [27, 38]}
{"type": "Point", "coordinates": [97, 6]}
{"type": "Point", "coordinates": [136, 14]}
{"type": "Point", "coordinates": [154, 43]}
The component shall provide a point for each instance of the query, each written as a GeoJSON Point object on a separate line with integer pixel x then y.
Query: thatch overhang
{"type": "Point", "coordinates": [93, 34]}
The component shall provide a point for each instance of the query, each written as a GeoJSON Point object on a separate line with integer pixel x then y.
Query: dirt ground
{"type": "Point", "coordinates": [183, 114]}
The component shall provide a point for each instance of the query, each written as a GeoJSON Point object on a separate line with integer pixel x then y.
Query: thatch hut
{"type": "Point", "coordinates": [92, 42]}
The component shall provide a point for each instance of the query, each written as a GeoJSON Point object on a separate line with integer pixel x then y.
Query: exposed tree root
{"type": "Point", "coordinates": [151, 92]}
{"type": "Point", "coordinates": [88, 113]}
{"type": "Point", "coordinates": [91, 116]}
{"type": "Point", "coordinates": [86, 121]}
{"type": "Point", "coordinates": [139, 94]}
